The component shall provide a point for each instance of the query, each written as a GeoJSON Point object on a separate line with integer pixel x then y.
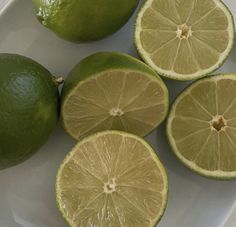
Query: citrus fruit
{"type": "Point", "coordinates": [112, 179]}
{"type": "Point", "coordinates": [109, 90]}
{"type": "Point", "coordinates": [202, 126]}
{"type": "Point", "coordinates": [83, 21]}
{"type": "Point", "coordinates": [183, 39]}
{"type": "Point", "coordinates": [28, 108]}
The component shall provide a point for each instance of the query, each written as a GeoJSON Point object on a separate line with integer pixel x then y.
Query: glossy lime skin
{"type": "Point", "coordinates": [29, 107]}
{"type": "Point", "coordinates": [84, 20]}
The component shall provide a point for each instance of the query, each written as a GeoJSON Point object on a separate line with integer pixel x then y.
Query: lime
{"type": "Point", "coordinates": [28, 108]}
{"type": "Point", "coordinates": [83, 20]}
{"type": "Point", "coordinates": [184, 39]}
{"type": "Point", "coordinates": [112, 179]}
{"type": "Point", "coordinates": [202, 127]}
{"type": "Point", "coordinates": [109, 90]}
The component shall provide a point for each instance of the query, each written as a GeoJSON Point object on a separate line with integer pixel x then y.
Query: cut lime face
{"type": "Point", "coordinates": [202, 127]}
{"type": "Point", "coordinates": [183, 39]}
{"type": "Point", "coordinates": [123, 99]}
{"type": "Point", "coordinates": [112, 179]}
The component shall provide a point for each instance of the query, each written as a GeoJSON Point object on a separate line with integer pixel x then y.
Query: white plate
{"type": "Point", "coordinates": [27, 191]}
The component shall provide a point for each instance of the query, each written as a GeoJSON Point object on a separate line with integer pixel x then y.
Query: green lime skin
{"type": "Point", "coordinates": [29, 108]}
{"type": "Point", "coordinates": [84, 20]}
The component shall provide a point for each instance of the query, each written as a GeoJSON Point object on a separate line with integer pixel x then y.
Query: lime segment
{"type": "Point", "coordinates": [112, 178]}
{"type": "Point", "coordinates": [117, 98]}
{"type": "Point", "coordinates": [183, 39]}
{"type": "Point", "coordinates": [202, 127]}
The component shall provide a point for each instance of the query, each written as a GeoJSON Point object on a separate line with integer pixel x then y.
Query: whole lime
{"type": "Point", "coordinates": [28, 108]}
{"type": "Point", "coordinates": [84, 20]}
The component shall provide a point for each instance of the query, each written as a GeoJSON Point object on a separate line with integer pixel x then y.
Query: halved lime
{"type": "Point", "coordinates": [184, 39]}
{"type": "Point", "coordinates": [202, 126]}
{"type": "Point", "coordinates": [113, 91]}
{"type": "Point", "coordinates": [112, 179]}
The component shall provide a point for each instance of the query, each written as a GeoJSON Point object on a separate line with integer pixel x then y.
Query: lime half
{"type": "Point", "coordinates": [113, 91]}
{"type": "Point", "coordinates": [184, 39]}
{"type": "Point", "coordinates": [202, 126]}
{"type": "Point", "coordinates": [112, 179]}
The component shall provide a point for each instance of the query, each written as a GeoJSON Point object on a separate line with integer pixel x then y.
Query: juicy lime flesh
{"type": "Point", "coordinates": [116, 100]}
{"type": "Point", "coordinates": [112, 179]}
{"type": "Point", "coordinates": [29, 108]}
{"type": "Point", "coordinates": [181, 38]}
{"type": "Point", "coordinates": [202, 126]}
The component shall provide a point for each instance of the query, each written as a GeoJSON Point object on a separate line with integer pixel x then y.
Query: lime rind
{"type": "Point", "coordinates": [171, 74]}
{"type": "Point", "coordinates": [74, 21]}
{"type": "Point", "coordinates": [124, 134]}
{"type": "Point", "coordinates": [29, 108]}
{"type": "Point", "coordinates": [218, 175]}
